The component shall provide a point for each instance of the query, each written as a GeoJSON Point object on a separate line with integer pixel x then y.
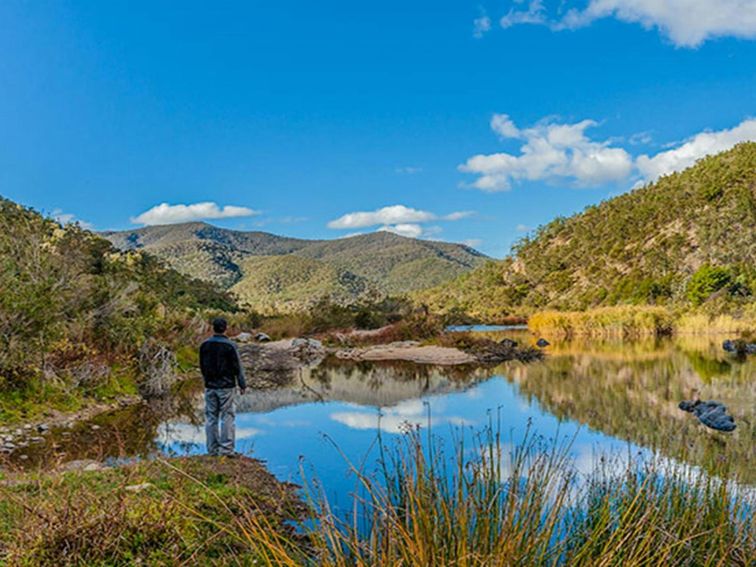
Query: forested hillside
{"type": "Point", "coordinates": [75, 312]}
{"type": "Point", "coordinates": [279, 284]}
{"type": "Point", "coordinates": [345, 270]}
{"type": "Point", "coordinates": [687, 240]}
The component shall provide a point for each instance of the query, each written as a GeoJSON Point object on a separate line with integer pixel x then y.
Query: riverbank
{"type": "Point", "coordinates": [197, 510]}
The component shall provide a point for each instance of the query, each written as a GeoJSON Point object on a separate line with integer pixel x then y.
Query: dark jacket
{"type": "Point", "coordinates": [220, 363]}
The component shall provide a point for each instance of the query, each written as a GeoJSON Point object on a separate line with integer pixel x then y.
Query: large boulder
{"type": "Point", "coordinates": [244, 337]}
{"type": "Point", "coordinates": [712, 414]}
{"type": "Point", "coordinates": [274, 364]}
{"type": "Point", "coordinates": [307, 343]}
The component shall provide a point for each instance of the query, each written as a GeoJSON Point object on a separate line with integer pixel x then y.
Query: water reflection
{"type": "Point", "coordinates": [611, 397]}
{"type": "Point", "coordinates": [631, 391]}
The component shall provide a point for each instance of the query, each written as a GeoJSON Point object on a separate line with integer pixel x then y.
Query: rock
{"type": "Point", "coordinates": [410, 351]}
{"type": "Point", "coordinates": [275, 363]}
{"type": "Point", "coordinates": [262, 338]}
{"type": "Point", "coordinates": [711, 414]}
{"type": "Point", "coordinates": [23, 457]}
{"type": "Point", "coordinates": [94, 427]}
{"type": "Point", "coordinates": [308, 343]}
{"type": "Point", "coordinates": [42, 427]}
{"type": "Point", "coordinates": [541, 343]}
{"type": "Point", "coordinates": [739, 346]}
{"type": "Point", "coordinates": [87, 465]}
{"type": "Point", "coordinates": [36, 440]}
{"type": "Point", "coordinates": [8, 447]}
{"type": "Point", "coordinates": [138, 487]}
{"type": "Point", "coordinates": [243, 337]}
{"type": "Point", "coordinates": [508, 343]}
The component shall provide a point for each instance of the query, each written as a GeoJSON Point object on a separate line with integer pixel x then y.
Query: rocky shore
{"type": "Point", "coordinates": [271, 364]}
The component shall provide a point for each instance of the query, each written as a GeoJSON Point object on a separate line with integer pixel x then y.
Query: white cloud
{"type": "Point", "coordinates": [472, 242]}
{"type": "Point", "coordinates": [392, 216]}
{"type": "Point", "coordinates": [412, 230]}
{"type": "Point", "coordinates": [504, 127]}
{"type": "Point", "coordinates": [62, 217]}
{"type": "Point", "coordinates": [535, 14]}
{"type": "Point", "coordinates": [172, 214]}
{"type": "Point", "coordinates": [550, 151]}
{"type": "Point", "coordinates": [407, 229]}
{"type": "Point", "coordinates": [700, 145]}
{"type": "Point", "coordinates": [396, 214]}
{"type": "Point", "coordinates": [481, 26]}
{"type": "Point", "coordinates": [522, 228]}
{"type": "Point", "coordinates": [640, 139]}
{"type": "Point", "coordinates": [398, 219]}
{"type": "Point", "coordinates": [687, 23]}
{"type": "Point", "coordinates": [459, 215]}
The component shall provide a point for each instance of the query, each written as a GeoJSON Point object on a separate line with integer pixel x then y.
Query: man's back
{"type": "Point", "coordinates": [220, 365]}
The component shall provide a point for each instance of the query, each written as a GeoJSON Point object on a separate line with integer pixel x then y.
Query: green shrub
{"type": "Point", "coordinates": [707, 280]}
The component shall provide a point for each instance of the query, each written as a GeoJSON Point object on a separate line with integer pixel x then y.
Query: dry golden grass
{"type": "Point", "coordinates": [620, 321]}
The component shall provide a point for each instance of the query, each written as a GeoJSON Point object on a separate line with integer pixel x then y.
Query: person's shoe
{"type": "Point", "coordinates": [232, 455]}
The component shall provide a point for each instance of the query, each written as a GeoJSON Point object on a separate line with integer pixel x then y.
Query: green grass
{"type": "Point", "coordinates": [190, 512]}
{"type": "Point", "coordinates": [37, 398]}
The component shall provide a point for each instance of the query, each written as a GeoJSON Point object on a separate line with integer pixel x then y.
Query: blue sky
{"type": "Point", "coordinates": [472, 121]}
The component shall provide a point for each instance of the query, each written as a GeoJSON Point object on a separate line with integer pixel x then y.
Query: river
{"type": "Point", "coordinates": [605, 397]}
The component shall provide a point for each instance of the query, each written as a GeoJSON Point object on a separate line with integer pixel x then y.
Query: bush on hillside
{"type": "Point", "coordinates": [706, 281]}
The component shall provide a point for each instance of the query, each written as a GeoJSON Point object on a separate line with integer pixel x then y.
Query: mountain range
{"type": "Point", "coordinates": [273, 273]}
{"type": "Point", "coordinates": [687, 240]}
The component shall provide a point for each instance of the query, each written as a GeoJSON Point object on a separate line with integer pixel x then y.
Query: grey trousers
{"type": "Point", "coordinates": [220, 407]}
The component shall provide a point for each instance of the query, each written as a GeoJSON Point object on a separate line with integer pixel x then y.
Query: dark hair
{"type": "Point", "coordinates": [220, 325]}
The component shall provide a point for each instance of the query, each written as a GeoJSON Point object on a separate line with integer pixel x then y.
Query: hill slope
{"type": "Point", "coordinates": [687, 239]}
{"type": "Point", "coordinates": [345, 270]}
{"type": "Point", "coordinates": [75, 312]}
{"type": "Point", "coordinates": [284, 283]}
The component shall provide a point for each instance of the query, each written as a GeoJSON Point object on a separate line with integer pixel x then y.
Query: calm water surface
{"type": "Point", "coordinates": [611, 397]}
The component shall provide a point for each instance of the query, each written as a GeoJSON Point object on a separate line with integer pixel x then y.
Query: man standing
{"type": "Point", "coordinates": [222, 371]}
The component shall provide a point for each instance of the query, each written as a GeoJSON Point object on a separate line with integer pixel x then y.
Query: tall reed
{"type": "Point", "coordinates": [620, 321]}
{"type": "Point", "coordinates": [528, 506]}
